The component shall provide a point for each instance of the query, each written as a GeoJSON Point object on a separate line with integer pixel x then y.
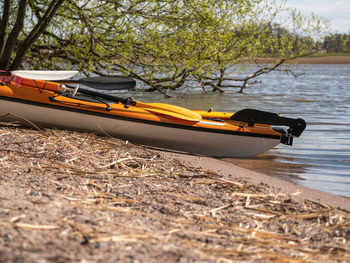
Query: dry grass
{"type": "Point", "coordinates": [75, 197]}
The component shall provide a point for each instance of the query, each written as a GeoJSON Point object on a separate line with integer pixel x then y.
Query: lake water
{"type": "Point", "coordinates": [320, 158]}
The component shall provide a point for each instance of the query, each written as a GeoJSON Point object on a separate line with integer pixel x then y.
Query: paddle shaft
{"type": "Point", "coordinates": [113, 98]}
{"type": "Point", "coordinates": [158, 108]}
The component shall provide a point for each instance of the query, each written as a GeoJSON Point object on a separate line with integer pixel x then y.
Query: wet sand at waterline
{"type": "Point", "coordinates": [69, 196]}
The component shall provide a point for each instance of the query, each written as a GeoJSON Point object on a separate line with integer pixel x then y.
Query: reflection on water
{"type": "Point", "coordinates": [273, 166]}
{"type": "Point", "coordinates": [320, 158]}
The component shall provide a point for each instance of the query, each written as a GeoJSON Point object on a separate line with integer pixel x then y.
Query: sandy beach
{"type": "Point", "coordinates": [77, 197]}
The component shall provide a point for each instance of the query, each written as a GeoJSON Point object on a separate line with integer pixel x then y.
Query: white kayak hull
{"type": "Point", "coordinates": [176, 137]}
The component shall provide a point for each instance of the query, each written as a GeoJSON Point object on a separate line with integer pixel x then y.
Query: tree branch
{"type": "Point", "coordinates": [261, 71]}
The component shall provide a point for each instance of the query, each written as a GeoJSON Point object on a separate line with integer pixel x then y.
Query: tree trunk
{"type": "Point", "coordinates": [35, 33]}
{"type": "Point", "coordinates": [4, 26]}
{"type": "Point", "coordinates": [13, 36]}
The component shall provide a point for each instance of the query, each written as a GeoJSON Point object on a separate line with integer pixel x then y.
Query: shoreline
{"type": "Point", "coordinates": [108, 200]}
{"type": "Point", "coordinates": [324, 60]}
{"type": "Point", "coordinates": [228, 169]}
{"type": "Point", "coordinates": [311, 60]}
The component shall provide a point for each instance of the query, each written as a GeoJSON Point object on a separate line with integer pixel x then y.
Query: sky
{"type": "Point", "coordinates": [336, 11]}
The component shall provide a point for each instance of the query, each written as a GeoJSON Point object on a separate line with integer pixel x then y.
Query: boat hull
{"type": "Point", "coordinates": [203, 138]}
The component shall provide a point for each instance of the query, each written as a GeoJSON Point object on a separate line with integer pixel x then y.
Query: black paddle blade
{"type": "Point", "coordinates": [251, 116]}
{"type": "Point", "coordinates": [109, 83]}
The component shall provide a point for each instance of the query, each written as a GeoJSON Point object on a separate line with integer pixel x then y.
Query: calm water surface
{"type": "Point", "coordinates": [320, 158]}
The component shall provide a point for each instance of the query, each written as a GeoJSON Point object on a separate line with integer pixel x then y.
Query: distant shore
{"type": "Point", "coordinates": [313, 60]}
{"type": "Point", "coordinates": [325, 60]}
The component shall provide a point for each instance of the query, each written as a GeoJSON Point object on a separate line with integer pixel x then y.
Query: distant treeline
{"type": "Point", "coordinates": [334, 43]}
{"type": "Point", "coordinates": [337, 43]}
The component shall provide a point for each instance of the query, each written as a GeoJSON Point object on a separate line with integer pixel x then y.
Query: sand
{"type": "Point", "coordinates": [77, 197]}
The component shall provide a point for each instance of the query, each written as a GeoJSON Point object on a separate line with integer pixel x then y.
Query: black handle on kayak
{"type": "Point", "coordinates": [251, 116]}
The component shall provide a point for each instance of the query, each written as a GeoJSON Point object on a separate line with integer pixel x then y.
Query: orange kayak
{"type": "Point", "coordinates": [154, 124]}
